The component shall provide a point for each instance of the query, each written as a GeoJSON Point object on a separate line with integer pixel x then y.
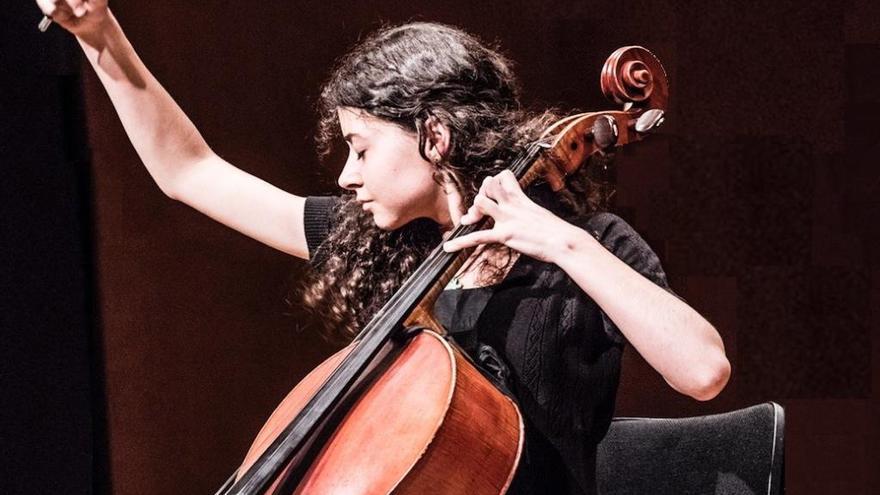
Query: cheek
{"type": "Point", "coordinates": [410, 184]}
{"type": "Point", "coordinates": [414, 195]}
{"type": "Point", "coordinates": [404, 195]}
{"type": "Point", "coordinates": [404, 181]}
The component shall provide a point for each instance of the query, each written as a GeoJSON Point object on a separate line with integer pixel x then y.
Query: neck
{"type": "Point", "coordinates": [442, 215]}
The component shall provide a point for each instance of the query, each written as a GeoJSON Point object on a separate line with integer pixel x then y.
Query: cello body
{"type": "Point", "coordinates": [430, 423]}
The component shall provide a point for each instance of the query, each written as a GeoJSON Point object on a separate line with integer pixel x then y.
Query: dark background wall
{"type": "Point", "coordinates": [760, 196]}
{"type": "Point", "coordinates": [52, 431]}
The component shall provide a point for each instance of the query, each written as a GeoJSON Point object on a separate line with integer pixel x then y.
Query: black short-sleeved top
{"type": "Point", "coordinates": [560, 353]}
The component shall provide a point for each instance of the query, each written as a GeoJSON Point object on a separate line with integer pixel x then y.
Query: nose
{"type": "Point", "coordinates": [350, 177]}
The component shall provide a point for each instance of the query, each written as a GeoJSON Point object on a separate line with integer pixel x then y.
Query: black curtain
{"type": "Point", "coordinates": [52, 416]}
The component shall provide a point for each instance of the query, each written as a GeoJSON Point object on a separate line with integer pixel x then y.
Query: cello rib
{"type": "Point", "coordinates": [447, 431]}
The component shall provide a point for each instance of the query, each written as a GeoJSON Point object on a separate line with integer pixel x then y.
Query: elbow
{"type": "Point", "coordinates": [179, 181]}
{"type": "Point", "coordinates": [167, 190]}
{"type": "Point", "coordinates": [166, 182]}
{"type": "Point", "coordinates": [176, 184]}
{"type": "Point", "coordinates": [711, 380]}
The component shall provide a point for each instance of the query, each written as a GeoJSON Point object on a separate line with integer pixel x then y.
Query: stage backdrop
{"type": "Point", "coordinates": [759, 195]}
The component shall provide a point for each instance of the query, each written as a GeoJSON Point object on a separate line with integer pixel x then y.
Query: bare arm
{"type": "Point", "coordinates": [672, 337]}
{"type": "Point", "coordinates": [172, 149]}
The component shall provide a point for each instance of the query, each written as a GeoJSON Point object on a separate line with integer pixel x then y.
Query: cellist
{"type": "Point", "coordinates": [431, 117]}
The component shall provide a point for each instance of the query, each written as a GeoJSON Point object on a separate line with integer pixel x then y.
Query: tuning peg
{"type": "Point", "coordinates": [604, 132]}
{"type": "Point", "coordinates": [649, 121]}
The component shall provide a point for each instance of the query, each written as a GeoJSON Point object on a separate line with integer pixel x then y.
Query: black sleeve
{"type": "Point", "coordinates": [624, 242]}
{"type": "Point", "coordinates": [318, 219]}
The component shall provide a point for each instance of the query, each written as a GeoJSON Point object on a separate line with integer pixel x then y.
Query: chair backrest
{"type": "Point", "coordinates": [739, 452]}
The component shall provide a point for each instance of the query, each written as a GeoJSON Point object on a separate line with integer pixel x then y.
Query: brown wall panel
{"type": "Point", "coordinates": [758, 196]}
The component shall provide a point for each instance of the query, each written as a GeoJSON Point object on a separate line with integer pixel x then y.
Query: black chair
{"type": "Point", "coordinates": [739, 452]}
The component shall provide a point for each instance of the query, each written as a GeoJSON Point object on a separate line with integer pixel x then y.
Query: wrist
{"type": "Point", "coordinates": [95, 32]}
{"type": "Point", "coordinates": [573, 243]}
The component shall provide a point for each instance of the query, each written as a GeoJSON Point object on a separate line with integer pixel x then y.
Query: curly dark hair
{"type": "Point", "coordinates": [405, 75]}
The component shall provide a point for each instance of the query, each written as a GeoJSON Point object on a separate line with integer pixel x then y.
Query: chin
{"type": "Point", "coordinates": [389, 220]}
{"type": "Point", "coordinates": [386, 223]}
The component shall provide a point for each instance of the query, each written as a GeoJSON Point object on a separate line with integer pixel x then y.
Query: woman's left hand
{"type": "Point", "coordinates": [672, 337]}
{"type": "Point", "coordinates": [520, 224]}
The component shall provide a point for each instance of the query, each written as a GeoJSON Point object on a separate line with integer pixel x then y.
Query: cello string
{"type": "Point", "coordinates": [438, 258]}
{"type": "Point", "coordinates": [371, 338]}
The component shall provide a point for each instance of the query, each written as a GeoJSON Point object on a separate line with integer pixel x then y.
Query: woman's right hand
{"type": "Point", "coordinates": [80, 17]}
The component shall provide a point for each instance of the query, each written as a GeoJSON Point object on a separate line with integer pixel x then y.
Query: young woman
{"type": "Point", "coordinates": [432, 117]}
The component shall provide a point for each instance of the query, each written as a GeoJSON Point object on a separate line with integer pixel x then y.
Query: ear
{"type": "Point", "coordinates": [437, 139]}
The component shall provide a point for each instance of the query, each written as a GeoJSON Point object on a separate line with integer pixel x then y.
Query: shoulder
{"type": "Point", "coordinates": [319, 215]}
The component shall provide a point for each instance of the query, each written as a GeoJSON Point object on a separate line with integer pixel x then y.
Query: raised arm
{"type": "Point", "coordinates": [174, 152]}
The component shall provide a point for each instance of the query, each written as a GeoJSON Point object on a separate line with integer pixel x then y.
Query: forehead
{"type": "Point", "coordinates": [354, 121]}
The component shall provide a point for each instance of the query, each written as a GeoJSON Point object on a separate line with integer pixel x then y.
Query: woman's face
{"type": "Point", "coordinates": [389, 177]}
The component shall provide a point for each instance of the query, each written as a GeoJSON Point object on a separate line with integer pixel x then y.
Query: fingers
{"type": "Point", "coordinates": [76, 6]}
{"type": "Point", "coordinates": [57, 10]}
{"type": "Point", "coordinates": [496, 190]}
{"type": "Point", "coordinates": [491, 188]}
{"type": "Point", "coordinates": [472, 239]}
{"type": "Point", "coordinates": [508, 184]}
{"type": "Point", "coordinates": [47, 6]}
{"type": "Point", "coordinates": [501, 198]}
{"type": "Point", "coordinates": [482, 206]}
{"type": "Point", "coordinates": [502, 187]}
{"type": "Point", "coordinates": [63, 11]}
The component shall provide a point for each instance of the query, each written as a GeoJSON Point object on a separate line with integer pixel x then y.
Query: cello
{"type": "Point", "coordinates": [402, 409]}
